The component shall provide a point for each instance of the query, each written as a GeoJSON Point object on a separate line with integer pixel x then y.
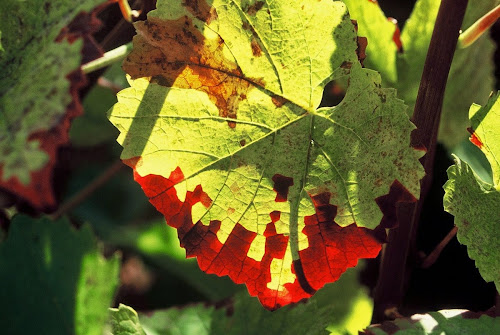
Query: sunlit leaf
{"type": "Point", "coordinates": [222, 129]}
{"type": "Point", "coordinates": [474, 202]}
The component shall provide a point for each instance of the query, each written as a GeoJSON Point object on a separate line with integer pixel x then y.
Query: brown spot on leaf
{"type": "Point", "coordinates": [346, 65]}
{"type": "Point", "coordinates": [361, 50]}
{"type": "Point", "coordinates": [256, 50]}
{"type": "Point", "coordinates": [243, 142]}
{"type": "Point", "coordinates": [201, 10]}
{"type": "Point", "coordinates": [281, 185]}
{"type": "Point", "coordinates": [278, 101]}
{"type": "Point", "coordinates": [253, 9]}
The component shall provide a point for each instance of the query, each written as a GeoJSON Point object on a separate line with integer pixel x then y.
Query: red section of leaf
{"type": "Point", "coordinates": [396, 37]}
{"type": "Point", "coordinates": [39, 192]}
{"type": "Point", "coordinates": [281, 186]}
{"type": "Point", "coordinates": [331, 248]}
{"type": "Point", "coordinates": [474, 139]}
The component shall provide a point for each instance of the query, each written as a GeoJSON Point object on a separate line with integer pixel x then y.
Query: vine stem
{"type": "Point", "coordinates": [394, 270]}
{"type": "Point", "coordinates": [87, 190]}
{"type": "Point", "coordinates": [109, 58]}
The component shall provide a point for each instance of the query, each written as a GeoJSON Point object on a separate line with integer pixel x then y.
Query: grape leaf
{"type": "Point", "coordinates": [446, 322]}
{"type": "Point", "coordinates": [475, 203]}
{"type": "Point", "coordinates": [222, 129]}
{"type": "Point", "coordinates": [38, 91]}
{"type": "Point", "coordinates": [54, 279]}
{"type": "Point", "coordinates": [471, 73]}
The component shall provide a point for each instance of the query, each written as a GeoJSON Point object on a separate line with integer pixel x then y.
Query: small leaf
{"type": "Point", "coordinates": [447, 322]}
{"type": "Point", "coordinates": [485, 128]}
{"type": "Point", "coordinates": [124, 321]}
{"type": "Point", "coordinates": [54, 280]}
{"type": "Point", "coordinates": [222, 129]}
{"type": "Point", "coordinates": [39, 86]}
{"type": "Point", "coordinates": [475, 203]}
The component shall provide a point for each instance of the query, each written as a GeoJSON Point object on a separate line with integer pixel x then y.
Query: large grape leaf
{"type": "Point", "coordinates": [39, 86]}
{"type": "Point", "coordinates": [471, 74]}
{"type": "Point", "coordinates": [475, 203]}
{"type": "Point", "coordinates": [54, 279]}
{"type": "Point", "coordinates": [222, 129]}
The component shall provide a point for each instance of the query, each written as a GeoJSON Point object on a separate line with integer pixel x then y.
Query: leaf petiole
{"type": "Point", "coordinates": [127, 12]}
{"type": "Point", "coordinates": [478, 28]}
{"type": "Point", "coordinates": [109, 58]}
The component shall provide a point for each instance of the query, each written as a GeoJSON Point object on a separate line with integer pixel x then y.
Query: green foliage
{"type": "Point", "coordinates": [475, 203]}
{"type": "Point", "coordinates": [54, 279]}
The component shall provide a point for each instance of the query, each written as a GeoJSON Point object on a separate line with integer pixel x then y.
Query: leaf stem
{"type": "Point", "coordinates": [109, 58]}
{"type": "Point", "coordinates": [87, 191]}
{"type": "Point", "coordinates": [478, 28]}
{"type": "Point", "coordinates": [127, 12]}
{"type": "Point", "coordinates": [394, 270]}
{"type": "Point", "coordinates": [434, 255]}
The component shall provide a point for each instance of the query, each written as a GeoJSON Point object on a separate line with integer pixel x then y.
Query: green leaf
{"type": "Point", "coordinates": [222, 129]}
{"type": "Point", "coordinates": [471, 73]}
{"type": "Point", "coordinates": [35, 91]}
{"type": "Point", "coordinates": [124, 321]}
{"type": "Point", "coordinates": [54, 280]}
{"type": "Point", "coordinates": [475, 203]}
{"type": "Point", "coordinates": [446, 322]}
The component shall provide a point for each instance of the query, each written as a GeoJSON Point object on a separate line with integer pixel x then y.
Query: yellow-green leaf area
{"type": "Point", "coordinates": [227, 91]}
{"type": "Point", "coordinates": [485, 124]}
